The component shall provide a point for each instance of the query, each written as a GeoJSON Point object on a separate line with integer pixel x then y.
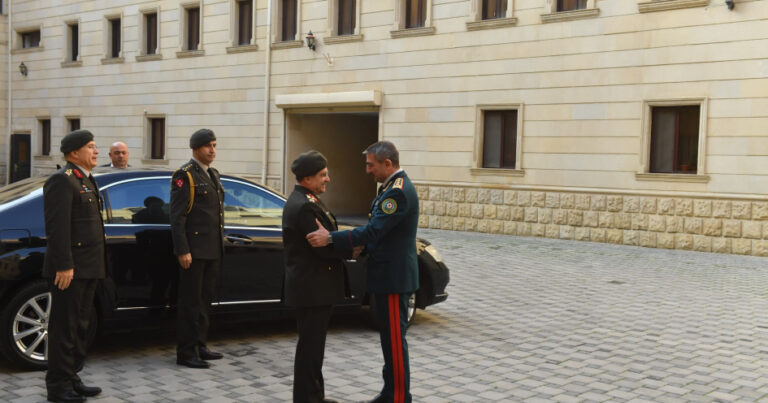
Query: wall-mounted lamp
{"type": "Point", "coordinates": [311, 40]}
{"type": "Point", "coordinates": [23, 69]}
{"type": "Point", "coordinates": [730, 4]}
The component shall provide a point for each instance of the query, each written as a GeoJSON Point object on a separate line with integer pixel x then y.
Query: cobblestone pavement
{"type": "Point", "coordinates": [529, 320]}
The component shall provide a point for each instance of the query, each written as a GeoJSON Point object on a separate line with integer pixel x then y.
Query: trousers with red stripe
{"type": "Point", "coordinates": [392, 312]}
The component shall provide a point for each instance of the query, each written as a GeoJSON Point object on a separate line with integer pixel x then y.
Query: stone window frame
{"type": "Point", "coordinates": [333, 19]}
{"type": "Point", "coordinates": [476, 21]}
{"type": "Point", "coordinates": [277, 30]}
{"type": "Point", "coordinates": [664, 5]}
{"type": "Point", "coordinates": [107, 38]}
{"type": "Point", "coordinates": [477, 154]}
{"type": "Point", "coordinates": [68, 123]}
{"type": "Point", "coordinates": [148, 139]}
{"type": "Point", "coordinates": [142, 54]}
{"type": "Point", "coordinates": [643, 173]}
{"type": "Point", "coordinates": [68, 48]}
{"type": "Point", "coordinates": [234, 31]}
{"type": "Point", "coordinates": [40, 136]}
{"type": "Point", "coordinates": [400, 31]}
{"type": "Point", "coordinates": [183, 27]}
{"type": "Point", "coordinates": [552, 15]}
{"type": "Point", "coordinates": [18, 42]}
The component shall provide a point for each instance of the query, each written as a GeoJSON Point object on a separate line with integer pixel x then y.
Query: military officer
{"type": "Point", "coordinates": [315, 278]}
{"type": "Point", "coordinates": [74, 264]}
{"type": "Point", "coordinates": [392, 275]}
{"type": "Point", "coordinates": [197, 226]}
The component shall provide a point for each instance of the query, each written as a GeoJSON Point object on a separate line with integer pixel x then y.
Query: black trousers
{"type": "Point", "coordinates": [67, 333]}
{"type": "Point", "coordinates": [197, 285]}
{"type": "Point", "coordinates": [392, 312]}
{"type": "Point", "coordinates": [312, 324]}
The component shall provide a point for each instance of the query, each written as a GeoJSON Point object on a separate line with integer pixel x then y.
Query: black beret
{"type": "Point", "coordinates": [75, 140]}
{"type": "Point", "coordinates": [308, 164]}
{"type": "Point", "coordinates": [201, 138]}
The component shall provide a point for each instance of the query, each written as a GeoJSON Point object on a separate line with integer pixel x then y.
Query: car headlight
{"type": "Point", "coordinates": [433, 251]}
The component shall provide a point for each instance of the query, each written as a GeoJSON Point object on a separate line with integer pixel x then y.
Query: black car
{"type": "Point", "coordinates": [140, 288]}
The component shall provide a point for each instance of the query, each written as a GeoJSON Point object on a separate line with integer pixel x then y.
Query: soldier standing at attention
{"type": "Point", "coordinates": [393, 274]}
{"type": "Point", "coordinates": [74, 264]}
{"type": "Point", "coordinates": [315, 278]}
{"type": "Point", "coordinates": [197, 226]}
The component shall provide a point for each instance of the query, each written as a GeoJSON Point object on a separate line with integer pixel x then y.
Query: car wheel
{"type": "Point", "coordinates": [411, 310]}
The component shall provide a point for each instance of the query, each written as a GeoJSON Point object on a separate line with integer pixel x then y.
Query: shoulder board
{"type": "Point", "coordinates": [398, 184]}
{"type": "Point", "coordinates": [186, 167]}
{"type": "Point", "coordinates": [68, 172]}
{"type": "Point", "coordinates": [311, 198]}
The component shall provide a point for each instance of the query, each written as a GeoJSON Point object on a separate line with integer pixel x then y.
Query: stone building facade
{"type": "Point", "coordinates": [580, 88]}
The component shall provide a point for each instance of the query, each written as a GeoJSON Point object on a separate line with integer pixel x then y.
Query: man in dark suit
{"type": "Point", "coordinates": [315, 278]}
{"type": "Point", "coordinates": [393, 273]}
{"type": "Point", "coordinates": [118, 153]}
{"type": "Point", "coordinates": [74, 264]}
{"type": "Point", "coordinates": [197, 227]}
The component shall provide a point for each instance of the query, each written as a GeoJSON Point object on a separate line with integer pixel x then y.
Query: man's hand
{"type": "Point", "coordinates": [185, 260]}
{"type": "Point", "coordinates": [63, 278]}
{"type": "Point", "coordinates": [357, 250]}
{"type": "Point", "coordinates": [318, 238]}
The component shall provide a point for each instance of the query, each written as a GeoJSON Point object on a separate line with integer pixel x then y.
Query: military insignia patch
{"type": "Point", "coordinates": [68, 172]}
{"type": "Point", "coordinates": [312, 198]}
{"type": "Point", "coordinates": [78, 174]}
{"type": "Point", "coordinates": [398, 183]}
{"type": "Point", "coordinates": [389, 206]}
{"type": "Point", "coordinates": [179, 182]}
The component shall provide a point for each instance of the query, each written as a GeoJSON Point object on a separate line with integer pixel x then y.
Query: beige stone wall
{"type": "Point", "coordinates": [703, 224]}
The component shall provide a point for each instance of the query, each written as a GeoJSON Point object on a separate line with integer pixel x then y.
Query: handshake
{"type": "Point", "coordinates": [321, 237]}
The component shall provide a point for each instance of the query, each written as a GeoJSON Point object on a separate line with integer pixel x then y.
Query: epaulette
{"type": "Point", "coordinates": [186, 167]}
{"type": "Point", "coordinates": [398, 184]}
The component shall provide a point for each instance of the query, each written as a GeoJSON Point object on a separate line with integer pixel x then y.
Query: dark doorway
{"type": "Point", "coordinates": [20, 156]}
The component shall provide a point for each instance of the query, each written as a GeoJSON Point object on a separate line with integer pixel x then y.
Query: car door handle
{"type": "Point", "coordinates": [239, 239]}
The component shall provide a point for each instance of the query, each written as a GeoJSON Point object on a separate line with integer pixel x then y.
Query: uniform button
{"type": "Point", "coordinates": [195, 232]}
{"type": "Point", "coordinates": [89, 200]}
{"type": "Point", "coordinates": [79, 244]}
{"type": "Point", "coordinates": [205, 192]}
{"type": "Point", "coordinates": [221, 226]}
{"type": "Point", "coordinates": [329, 267]}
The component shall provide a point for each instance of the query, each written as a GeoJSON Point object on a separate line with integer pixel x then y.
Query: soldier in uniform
{"type": "Point", "coordinates": [74, 264]}
{"type": "Point", "coordinates": [315, 278]}
{"type": "Point", "coordinates": [197, 226]}
{"type": "Point", "coordinates": [393, 275]}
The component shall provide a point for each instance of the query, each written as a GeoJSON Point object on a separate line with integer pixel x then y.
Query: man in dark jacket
{"type": "Point", "coordinates": [197, 226]}
{"type": "Point", "coordinates": [74, 264]}
{"type": "Point", "coordinates": [315, 278]}
{"type": "Point", "coordinates": [393, 271]}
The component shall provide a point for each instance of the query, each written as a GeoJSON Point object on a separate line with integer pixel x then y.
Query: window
{"type": "Point", "coordinates": [674, 139]}
{"type": "Point", "coordinates": [493, 9]}
{"type": "Point", "coordinates": [73, 123]}
{"type": "Point", "coordinates": [30, 39]}
{"type": "Point", "coordinates": [346, 18]}
{"type": "Point", "coordinates": [157, 138]}
{"type": "Point", "coordinates": [139, 202]}
{"type": "Point", "coordinates": [570, 5]}
{"type": "Point", "coordinates": [73, 42]}
{"type": "Point", "coordinates": [499, 139]}
{"type": "Point", "coordinates": [114, 38]}
{"type": "Point", "coordinates": [415, 13]}
{"type": "Point", "coordinates": [150, 33]}
{"type": "Point", "coordinates": [45, 136]}
{"type": "Point", "coordinates": [244, 22]}
{"type": "Point", "coordinates": [192, 28]}
{"type": "Point", "coordinates": [248, 206]}
{"type": "Point", "coordinates": [288, 14]}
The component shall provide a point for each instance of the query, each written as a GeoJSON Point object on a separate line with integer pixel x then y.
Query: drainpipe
{"type": "Point", "coordinates": [267, 80]}
{"type": "Point", "coordinates": [10, 90]}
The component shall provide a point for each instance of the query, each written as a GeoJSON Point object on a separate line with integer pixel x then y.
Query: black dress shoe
{"type": "Point", "coordinates": [209, 355]}
{"type": "Point", "coordinates": [66, 397]}
{"type": "Point", "coordinates": [88, 391]}
{"type": "Point", "coordinates": [192, 362]}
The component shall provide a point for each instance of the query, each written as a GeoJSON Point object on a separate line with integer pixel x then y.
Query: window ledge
{"type": "Point", "coordinates": [497, 172]}
{"type": "Point", "coordinates": [330, 40]}
{"type": "Point", "coordinates": [146, 58]}
{"type": "Point", "coordinates": [692, 178]}
{"type": "Point", "coordinates": [287, 44]}
{"type": "Point", "coordinates": [72, 64]}
{"type": "Point", "coordinates": [409, 32]}
{"type": "Point", "coordinates": [43, 157]}
{"type": "Point", "coordinates": [570, 15]}
{"type": "Point", "coordinates": [154, 162]}
{"type": "Point", "coordinates": [242, 48]}
{"type": "Point", "coordinates": [492, 23]}
{"type": "Point", "coordinates": [663, 5]}
{"type": "Point", "coordinates": [190, 53]}
{"type": "Point", "coordinates": [27, 50]}
{"type": "Point", "coordinates": [113, 60]}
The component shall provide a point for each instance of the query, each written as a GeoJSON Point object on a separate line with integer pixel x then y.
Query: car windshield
{"type": "Point", "coordinates": [21, 188]}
